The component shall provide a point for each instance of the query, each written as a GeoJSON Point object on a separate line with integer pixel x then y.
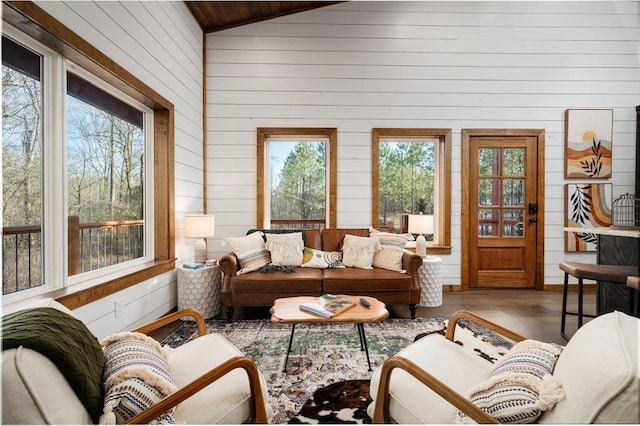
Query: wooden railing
{"type": "Point", "coordinates": [297, 223]}
{"type": "Point", "coordinates": [90, 246]}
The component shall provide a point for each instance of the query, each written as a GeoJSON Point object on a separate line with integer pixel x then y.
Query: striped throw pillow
{"type": "Point", "coordinates": [250, 250]}
{"type": "Point", "coordinates": [136, 376]}
{"type": "Point", "coordinates": [521, 386]}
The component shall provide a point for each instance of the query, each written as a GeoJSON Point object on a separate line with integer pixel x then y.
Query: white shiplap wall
{"type": "Point", "coordinates": [161, 44]}
{"type": "Point", "coordinates": [360, 65]}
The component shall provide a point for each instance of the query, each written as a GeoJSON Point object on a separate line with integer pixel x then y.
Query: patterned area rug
{"type": "Point", "coordinates": [327, 377]}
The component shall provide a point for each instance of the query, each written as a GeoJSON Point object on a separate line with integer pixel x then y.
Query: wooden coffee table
{"type": "Point", "coordinates": [287, 311]}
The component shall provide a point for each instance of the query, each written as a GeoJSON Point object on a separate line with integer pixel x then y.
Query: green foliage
{"type": "Point", "coordinates": [407, 179]}
{"type": "Point", "coordinates": [300, 189]}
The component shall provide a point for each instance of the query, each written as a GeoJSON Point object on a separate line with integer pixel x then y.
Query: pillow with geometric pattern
{"type": "Point", "coordinates": [136, 376]}
{"type": "Point", "coordinates": [321, 259]}
{"type": "Point", "coordinates": [521, 386]}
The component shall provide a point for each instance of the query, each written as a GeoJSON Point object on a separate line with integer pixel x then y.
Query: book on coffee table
{"type": "Point", "coordinates": [327, 306]}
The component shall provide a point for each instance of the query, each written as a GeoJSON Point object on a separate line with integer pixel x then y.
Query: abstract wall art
{"type": "Point", "coordinates": [588, 205]}
{"type": "Point", "coordinates": [588, 143]}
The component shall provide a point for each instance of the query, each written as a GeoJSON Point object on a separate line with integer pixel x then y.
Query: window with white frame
{"type": "Point", "coordinates": [411, 175]}
{"type": "Point", "coordinates": [296, 178]}
{"type": "Point", "coordinates": [77, 173]}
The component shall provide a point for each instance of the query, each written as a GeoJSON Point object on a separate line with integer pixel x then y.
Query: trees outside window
{"type": "Point", "coordinates": [411, 173]}
{"type": "Point", "coordinates": [296, 178]}
{"type": "Point", "coordinates": [105, 154]}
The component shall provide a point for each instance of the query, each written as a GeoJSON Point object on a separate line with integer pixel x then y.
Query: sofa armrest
{"type": "Point", "coordinates": [411, 262]}
{"type": "Point", "coordinates": [229, 267]}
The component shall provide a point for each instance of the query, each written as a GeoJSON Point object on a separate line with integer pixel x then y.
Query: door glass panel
{"type": "Point", "coordinates": [488, 222]}
{"type": "Point", "coordinates": [513, 162]}
{"type": "Point", "coordinates": [513, 192]}
{"type": "Point", "coordinates": [488, 161]}
{"type": "Point", "coordinates": [488, 192]}
{"type": "Point", "coordinates": [512, 223]}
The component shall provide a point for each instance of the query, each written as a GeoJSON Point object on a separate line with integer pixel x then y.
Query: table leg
{"type": "Point", "coordinates": [286, 360]}
{"type": "Point", "coordinates": [363, 341]}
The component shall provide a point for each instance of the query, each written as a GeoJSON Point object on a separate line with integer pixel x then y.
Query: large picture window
{"type": "Point", "coordinates": [411, 174]}
{"type": "Point", "coordinates": [296, 178]}
{"type": "Point", "coordinates": [87, 168]}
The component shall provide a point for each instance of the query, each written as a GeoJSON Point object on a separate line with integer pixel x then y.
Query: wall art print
{"type": "Point", "coordinates": [588, 205]}
{"type": "Point", "coordinates": [588, 143]}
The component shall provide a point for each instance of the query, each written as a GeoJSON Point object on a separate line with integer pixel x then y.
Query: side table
{"type": "Point", "coordinates": [430, 277]}
{"type": "Point", "coordinates": [200, 289]}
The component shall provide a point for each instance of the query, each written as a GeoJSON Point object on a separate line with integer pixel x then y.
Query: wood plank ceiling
{"type": "Point", "coordinates": [220, 15]}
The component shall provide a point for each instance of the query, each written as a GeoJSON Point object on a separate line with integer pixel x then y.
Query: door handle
{"type": "Point", "coordinates": [532, 220]}
{"type": "Point", "coordinates": [533, 208]}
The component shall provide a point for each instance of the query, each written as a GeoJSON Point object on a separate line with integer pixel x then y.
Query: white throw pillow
{"type": "Point", "coordinates": [392, 249]}
{"type": "Point", "coordinates": [285, 249]}
{"type": "Point", "coordinates": [358, 251]}
{"type": "Point", "coordinates": [250, 251]}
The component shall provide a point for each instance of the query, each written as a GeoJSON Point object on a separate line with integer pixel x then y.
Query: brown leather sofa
{"type": "Point", "coordinates": [261, 289]}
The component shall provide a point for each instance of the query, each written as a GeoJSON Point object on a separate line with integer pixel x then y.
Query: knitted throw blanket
{"type": "Point", "coordinates": [68, 343]}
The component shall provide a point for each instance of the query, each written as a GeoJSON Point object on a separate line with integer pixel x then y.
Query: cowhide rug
{"type": "Point", "coordinates": [327, 377]}
{"type": "Point", "coordinates": [347, 401]}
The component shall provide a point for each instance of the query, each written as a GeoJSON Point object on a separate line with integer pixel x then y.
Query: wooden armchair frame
{"type": "Point", "coordinates": [258, 412]}
{"type": "Point", "coordinates": [381, 412]}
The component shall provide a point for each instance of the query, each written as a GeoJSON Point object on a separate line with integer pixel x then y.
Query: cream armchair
{"type": "Point", "coordinates": [430, 380]}
{"type": "Point", "coordinates": [215, 383]}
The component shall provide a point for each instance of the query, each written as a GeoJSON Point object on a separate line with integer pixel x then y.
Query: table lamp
{"type": "Point", "coordinates": [421, 224]}
{"type": "Point", "coordinates": [199, 227]}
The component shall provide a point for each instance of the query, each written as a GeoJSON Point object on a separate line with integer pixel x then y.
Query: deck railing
{"type": "Point", "coordinates": [90, 246]}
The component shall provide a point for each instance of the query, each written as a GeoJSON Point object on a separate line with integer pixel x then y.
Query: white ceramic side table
{"type": "Point", "coordinates": [200, 289]}
{"type": "Point", "coordinates": [430, 277]}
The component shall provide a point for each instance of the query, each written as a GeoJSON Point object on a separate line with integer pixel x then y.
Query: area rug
{"type": "Point", "coordinates": [327, 354]}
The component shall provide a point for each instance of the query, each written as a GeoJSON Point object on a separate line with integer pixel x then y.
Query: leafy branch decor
{"type": "Point", "coordinates": [588, 143]}
{"type": "Point", "coordinates": [588, 205]}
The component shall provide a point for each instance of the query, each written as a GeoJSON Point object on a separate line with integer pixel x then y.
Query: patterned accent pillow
{"type": "Point", "coordinates": [521, 386]}
{"type": "Point", "coordinates": [136, 376]}
{"type": "Point", "coordinates": [390, 256]}
{"type": "Point", "coordinates": [358, 251]}
{"type": "Point", "coordinates": [285, 249]}
{"type": "Point", "coordinates": [321, 259]}
{"type": "Point", "coordinates": [250, 251]}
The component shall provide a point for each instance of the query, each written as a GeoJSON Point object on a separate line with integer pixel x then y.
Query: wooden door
{"type": "Point", "coordinates": [503, 200]}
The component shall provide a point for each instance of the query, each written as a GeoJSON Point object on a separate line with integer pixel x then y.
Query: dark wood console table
{"type": "Point", "coordinates": [615, 247]}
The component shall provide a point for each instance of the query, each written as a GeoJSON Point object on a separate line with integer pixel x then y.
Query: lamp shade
{"type": "Point", "coordinates": [200, 226]}
{"type": "Point", "coordinates": [420, 224]}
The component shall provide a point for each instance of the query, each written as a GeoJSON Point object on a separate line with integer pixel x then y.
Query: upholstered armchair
{"type": "Point", "coordinates": [205, 381]}
{"type": "Point", "coordinates": [593, 379]}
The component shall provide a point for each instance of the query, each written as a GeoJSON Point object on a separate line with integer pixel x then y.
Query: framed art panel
{"type": "Point", "coordinates": [588, 143]}
{"type": "Point", "coordinates": [588, 205]}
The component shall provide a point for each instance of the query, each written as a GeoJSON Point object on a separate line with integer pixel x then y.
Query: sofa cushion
{"type": "Point", "coordinates": [227, 400]}
{"type": "Point", "coordinates": [363, 281]}
{"type": "Point", "coordinates": [391, 250]}
{"type": "Point", "coordinates": [321, 259]}
{"type": "Point", "coordinates": [598, 370]}
{"type": "Point", "coordinates": [413, 403]}
{"type": "Point", "coordinates": [520, 387]}
{"type": "Point", "coordinates": [333, 239]}
{"type": "Point", "coordinates": [136, 376]}
{"type": "Point", "coordinates": [285, 249]}
{"type": "Point", "coordinates": [250, 250]}
{"type": "Point", "coordinates": [358, 251]}
{"type": "Point", "coordinates": [34, 391]}
{"type": "Point", "coordinates": [302, 280]}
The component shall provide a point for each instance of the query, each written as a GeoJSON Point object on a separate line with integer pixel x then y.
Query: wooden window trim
{"type": "Point", "coordinates": [444, 176]}
{"type": "Point", "coordinates": [35, 22]}
{"type": "Point", "coordinates": [263, 133]}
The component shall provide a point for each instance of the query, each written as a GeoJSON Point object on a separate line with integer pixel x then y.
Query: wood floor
{"type": "Point", "coordinates": [533, 314]}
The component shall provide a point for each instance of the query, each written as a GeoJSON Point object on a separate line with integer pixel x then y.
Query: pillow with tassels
{"type": "Point", "coordinates": [136, 376]}
{"type": "Point", "coordinates": [521, 386]}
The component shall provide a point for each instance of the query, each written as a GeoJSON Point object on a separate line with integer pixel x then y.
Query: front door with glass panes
{"type": "Point", "coordinates": [502, 211]}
